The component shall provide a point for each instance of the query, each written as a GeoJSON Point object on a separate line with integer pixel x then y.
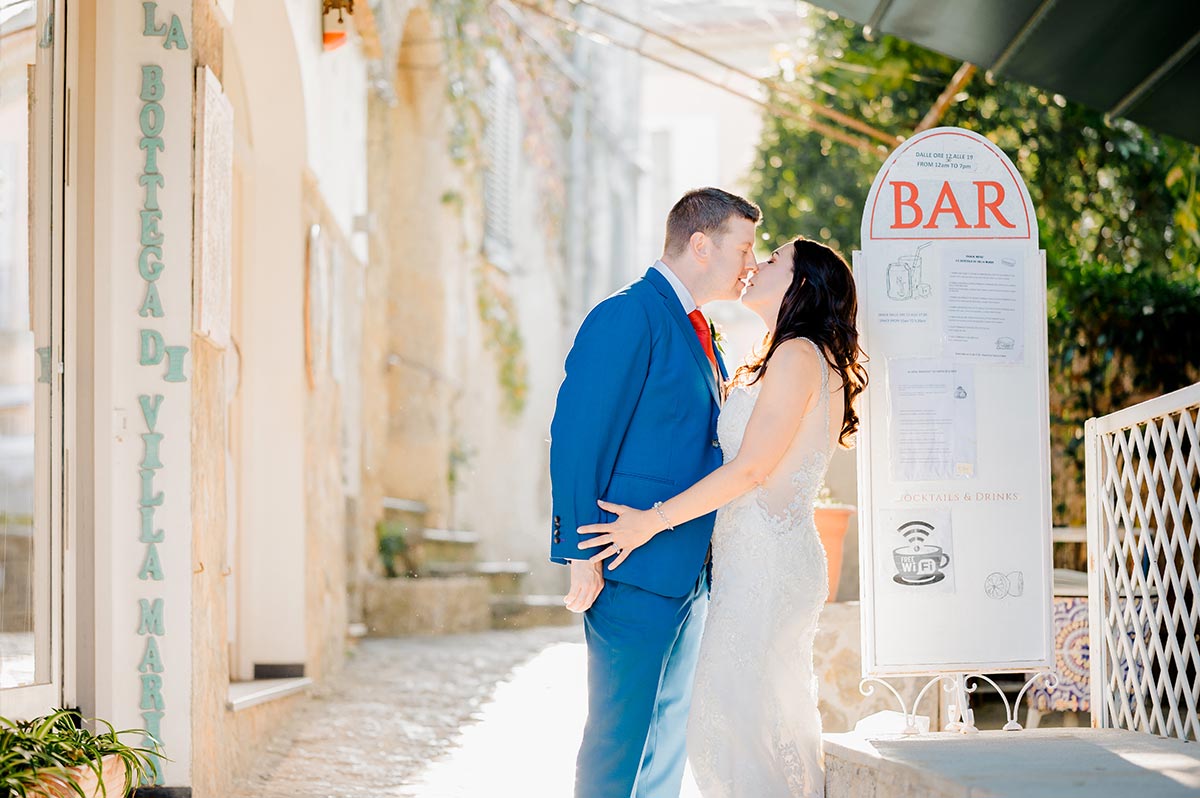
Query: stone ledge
{"type": "Point", "coordinates": [243, 695]}
{"type": "Point", "coordinates": [1039, 763]}
{"type": "Point", "coordinates": [457, 536]}
{"type": "Point", "coordinates": [435, 605]}
{"type": "Point", "coordinates": [404, 505]}
{"type": "Point", "coordinates": [523, 612]}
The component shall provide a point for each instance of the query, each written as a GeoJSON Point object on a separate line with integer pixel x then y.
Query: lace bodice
{"type": "Point", "coordinates": [789, 492]}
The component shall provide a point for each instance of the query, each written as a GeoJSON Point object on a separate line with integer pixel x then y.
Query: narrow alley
{"type": "Point", "coordinates": [496, 713]}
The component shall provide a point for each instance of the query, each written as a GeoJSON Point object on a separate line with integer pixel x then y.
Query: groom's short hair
{"type": "Point", "coordinates": [705, 210]}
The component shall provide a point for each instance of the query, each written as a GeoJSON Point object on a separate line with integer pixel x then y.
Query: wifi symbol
{"type": "Point", "coordinates": [916, 532]}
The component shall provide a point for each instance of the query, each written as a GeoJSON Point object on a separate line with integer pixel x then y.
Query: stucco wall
{"type": "Point", "coordinates": [326, 501]}
{"type": "Point", "coordinates": [417, 248]}
{"type": "Point", "coordinates": [566, 257]}
{"type": "Point", "coordinates": [225, 742]}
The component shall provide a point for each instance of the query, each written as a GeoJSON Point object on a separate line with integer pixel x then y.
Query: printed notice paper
{"type": "Point", "coordinates": [931, 419]}
{"type": "Point", "coordinates": [982, 300]}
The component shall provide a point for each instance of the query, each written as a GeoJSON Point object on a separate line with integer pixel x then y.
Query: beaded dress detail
{"type": "Point", "coordinates": [754, 729]}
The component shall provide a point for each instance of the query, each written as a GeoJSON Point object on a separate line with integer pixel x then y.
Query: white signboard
{"type": "Point", "coordinates": [953, 455]}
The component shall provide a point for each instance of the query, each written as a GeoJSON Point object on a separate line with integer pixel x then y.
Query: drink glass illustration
{"type": "Point", "coordinates": [904, 277]}
{"type": "Point", "coordinates": [899, 278]}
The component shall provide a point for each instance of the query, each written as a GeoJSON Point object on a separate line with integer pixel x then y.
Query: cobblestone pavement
{"type": "Point", "coordinates": [495, 714]}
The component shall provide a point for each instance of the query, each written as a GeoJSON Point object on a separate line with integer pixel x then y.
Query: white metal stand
{"type": "Point", "coordinates": [962, 717]}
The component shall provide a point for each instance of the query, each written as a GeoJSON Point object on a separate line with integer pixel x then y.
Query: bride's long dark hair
{"type": "Point", "coordinates": [820, 304]}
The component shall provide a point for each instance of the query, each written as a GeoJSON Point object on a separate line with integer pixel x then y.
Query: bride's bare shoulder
{"type": "Point", "coordinates": [794, 370]}
{"type": "Point", "coordinates": [797, 358]}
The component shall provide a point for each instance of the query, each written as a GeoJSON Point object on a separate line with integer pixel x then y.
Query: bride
{"type": "Point", "coordinates": [754, 729]}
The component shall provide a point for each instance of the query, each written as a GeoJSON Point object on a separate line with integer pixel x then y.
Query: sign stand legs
{"type": "Point", "coordinates": [962, 717]}
{"type": "Point", "coordinates": [910, 715]}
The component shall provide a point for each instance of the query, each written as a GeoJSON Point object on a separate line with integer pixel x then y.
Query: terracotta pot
{"type": "Point", "coordinates": [113, 772]}
{"type": "Point", "coordinates": [832, 522]}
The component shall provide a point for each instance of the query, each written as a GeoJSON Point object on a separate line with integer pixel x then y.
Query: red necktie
{"type": "Point", "coordinates": [704, 334]}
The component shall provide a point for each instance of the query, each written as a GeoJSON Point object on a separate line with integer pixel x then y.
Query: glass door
{"type": "Point", "coordinates": [31, 351]}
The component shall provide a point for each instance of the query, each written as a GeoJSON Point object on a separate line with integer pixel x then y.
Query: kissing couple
{"type": "Point", "coordinates": [672, 482]}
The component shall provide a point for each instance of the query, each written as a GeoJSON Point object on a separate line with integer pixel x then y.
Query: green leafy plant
{"type": "Point", "coordinates": [1118, 210]}
{"type": "Point", "coordinates": [498, 312]}
{"type": "Point", "coordinates": [474, 33]}
{"type": "Point", "coordinates": [460, 460]}
{"type": "Point", "coordinates": [47, 756]}
{"type": "Point", "coordinates": [1106, 190]}
{"type": "Point", "coordinates": [1116, 338]}
{"type": "Point", "coordinates": [393, 548]}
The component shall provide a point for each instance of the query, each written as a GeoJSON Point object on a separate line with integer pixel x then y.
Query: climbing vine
{"type": "Point", "coordinates": [497, 311]}
{"type": "Point", "coordinates": [473, 32]}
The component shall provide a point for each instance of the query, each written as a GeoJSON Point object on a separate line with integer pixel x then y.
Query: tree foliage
{"type": "Point", "coordinates": [1118, 208]}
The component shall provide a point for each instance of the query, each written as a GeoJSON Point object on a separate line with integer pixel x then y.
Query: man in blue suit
{"type": "Point", "coordinates": [636, 423]}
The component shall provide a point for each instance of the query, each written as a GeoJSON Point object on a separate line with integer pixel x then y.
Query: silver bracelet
{"type": "Point", "coordinates": [658, 508]}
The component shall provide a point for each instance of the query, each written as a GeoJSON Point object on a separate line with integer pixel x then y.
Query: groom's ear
{"type": "Point", "coordinates": [701, 246]}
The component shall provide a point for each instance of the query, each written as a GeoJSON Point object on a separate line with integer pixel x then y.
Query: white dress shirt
{"type": "Point", "coordinates": [685, 299]}
{"type": "Point", "coordinates": [685, 296]}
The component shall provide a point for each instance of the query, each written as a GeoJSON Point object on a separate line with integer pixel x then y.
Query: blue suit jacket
{"type": "Point", "coordinates": [635, 423]}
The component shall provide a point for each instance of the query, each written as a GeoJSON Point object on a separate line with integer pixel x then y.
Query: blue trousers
{"type": "Point", "coordinates": [642, 651]}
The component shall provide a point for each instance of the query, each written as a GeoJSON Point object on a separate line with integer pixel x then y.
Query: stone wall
{"type": "Point", "coordinates": [211, 735]}
{"type": "Point", "coordinates": [418, 249]}
{"type": "Point", "coordinates": [211, 732]}
{"type": "Point", "coordinates": [837, 655]}
{"type": "Point", "coordinates": [225, 742]}
{"type": "Point", "coordinates": [328, 509]}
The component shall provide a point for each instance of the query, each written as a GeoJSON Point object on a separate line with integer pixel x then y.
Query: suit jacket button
{"type": "Point", "coordinates": [716, 444]}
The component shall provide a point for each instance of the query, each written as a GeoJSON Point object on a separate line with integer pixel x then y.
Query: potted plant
{"type": "Point", "coordinates": [394, 550]}
{"type": "Point", "coordinates": [52, 757]}
{"type": "Point", "coordinates": [833, 519]}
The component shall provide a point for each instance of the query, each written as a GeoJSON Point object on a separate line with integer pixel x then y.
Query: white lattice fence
{"type": "Point", "coordinates": [1143, 488]}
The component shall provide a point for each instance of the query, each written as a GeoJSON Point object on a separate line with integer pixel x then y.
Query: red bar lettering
{"type": "Point", "coordinates": [981, 187]}
{"type": "Point", "coordinates": [900, 202]}
{"type": "Point", "coordinates": [946, 203]}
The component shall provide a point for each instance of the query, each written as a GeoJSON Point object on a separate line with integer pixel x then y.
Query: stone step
{"type": "Point", "coordinates": [447, 545]}
{"type": "Point", "coordinates": [523, 612]}
{"type": "Point", "coordinates": [408, 512]}
{"type": "Point", "coordinates": [399, 534]}
{"type": "Point", "coordinates": [397, 505]}
{"type": "Point", "coordinates": [426, 605]}
{"type": "Point", "coordinates": [504, 577]}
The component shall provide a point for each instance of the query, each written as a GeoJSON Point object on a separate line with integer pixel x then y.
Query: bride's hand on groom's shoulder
{"type": "Point", "coordinates": [633, 528]}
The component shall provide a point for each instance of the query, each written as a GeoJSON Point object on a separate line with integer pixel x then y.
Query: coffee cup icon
{"type": "Point", "coordinates": [920, 564]}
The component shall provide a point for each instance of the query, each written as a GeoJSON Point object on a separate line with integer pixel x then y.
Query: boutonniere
{"type": "Point", "coordinates": [718, 337]}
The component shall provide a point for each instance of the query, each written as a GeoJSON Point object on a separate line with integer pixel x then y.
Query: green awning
{"type": "Point", "coordinates": [1137, 59]}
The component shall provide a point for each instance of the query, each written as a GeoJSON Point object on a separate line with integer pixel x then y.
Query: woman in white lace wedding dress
{"type": "Point", "coordinates": [754, 729]}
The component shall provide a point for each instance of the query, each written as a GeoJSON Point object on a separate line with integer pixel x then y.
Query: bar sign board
{"type": "Point", "coordinates": [953, 455]}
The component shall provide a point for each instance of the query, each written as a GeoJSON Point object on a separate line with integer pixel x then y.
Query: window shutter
{"type": "Point", "coordinates": [501, 149]}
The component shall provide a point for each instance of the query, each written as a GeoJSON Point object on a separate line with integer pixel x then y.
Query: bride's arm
{"type": "Point", "coordinates": [788, 391]}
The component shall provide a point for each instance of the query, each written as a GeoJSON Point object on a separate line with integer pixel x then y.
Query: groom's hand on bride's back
{"type": "Point", "coordinates": [587, 581]}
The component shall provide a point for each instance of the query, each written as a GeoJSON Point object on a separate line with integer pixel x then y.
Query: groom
{"type": "Point", "coordinates": [636, 423]}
